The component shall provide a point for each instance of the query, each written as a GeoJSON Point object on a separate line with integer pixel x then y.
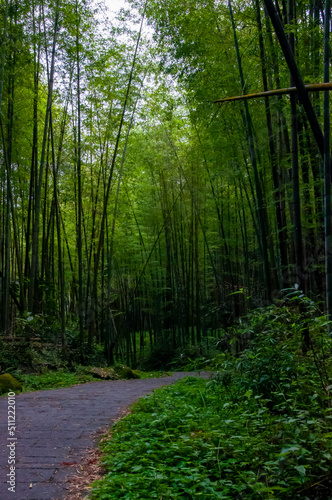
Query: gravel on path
{"type": "Point", "coordinates": [56, 428]}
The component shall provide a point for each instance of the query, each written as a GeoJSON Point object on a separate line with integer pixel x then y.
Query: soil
{"type": "Point", "coordinates": [56, 451]}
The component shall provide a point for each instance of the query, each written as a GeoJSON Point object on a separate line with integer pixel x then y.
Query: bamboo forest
{"type": "Point", "coordinates": [165, 180]}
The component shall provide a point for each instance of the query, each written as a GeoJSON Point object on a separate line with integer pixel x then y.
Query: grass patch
{"type": "Point", "coordinates": [53, 380]}
{"type": "Point", "coordinates": [63, 378]}
{"type": "Point", "coordinates": [153, 374]}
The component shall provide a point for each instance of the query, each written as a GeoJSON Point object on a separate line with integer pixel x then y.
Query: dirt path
{"type": "Point", "coordinates": [55, 428]}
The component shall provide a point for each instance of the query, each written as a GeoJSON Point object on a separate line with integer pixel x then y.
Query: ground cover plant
{"type": "Point", "coordinates": [259, 429]}
{"type": "Point", "coordinates": [54, 379]}
{"type": "Point", "coordinates": [64, 378]}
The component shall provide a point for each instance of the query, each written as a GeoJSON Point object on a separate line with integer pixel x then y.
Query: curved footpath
{"type": "Point", "coordinates": [57, 427]}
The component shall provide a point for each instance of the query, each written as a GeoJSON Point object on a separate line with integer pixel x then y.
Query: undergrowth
{"type": "Point", "coordinates": [53, 379]}
{"type": "Point", "coordinates": [260, 429]}
{"type": "Point", "coordinates": [64, 378]}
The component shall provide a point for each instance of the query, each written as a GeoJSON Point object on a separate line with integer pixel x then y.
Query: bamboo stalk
{"type": "Point", "coordinates": [315, 87]}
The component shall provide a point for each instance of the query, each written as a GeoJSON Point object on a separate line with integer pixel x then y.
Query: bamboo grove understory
{"type": "Point", "coordinates": [161, 172]}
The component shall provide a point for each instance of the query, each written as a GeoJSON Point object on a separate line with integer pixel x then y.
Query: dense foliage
{"type": "Point", "coordinates": [260, 428]}
{"type": "Point", "coordinates": [134, 210]}
{"type": "Point", "coordinates": [141, 217]}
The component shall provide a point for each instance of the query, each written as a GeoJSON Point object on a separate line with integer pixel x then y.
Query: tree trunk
{"type": "Point", "coordinates": [261, 211]}
{"type": "Point", "coordinates": [327, 166]}
{"type": "Point", "coordinates": [33, 285]}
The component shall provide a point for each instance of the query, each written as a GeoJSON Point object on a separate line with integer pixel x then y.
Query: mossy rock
{"type": "Point", "coordinates": [9, 383]}
{"type": "Point", "coordinates": [104, 373]}
{"type": "Point", "coordinates": [126, 373]}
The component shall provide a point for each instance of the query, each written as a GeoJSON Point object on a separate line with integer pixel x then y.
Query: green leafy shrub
{"type": "Point", "coordinates": [93, 355]}
{"type": "Point", "coordinates": [160, 356]}
{"type": "Point", "coordinates": [10, 355]}
{"type": "Point", "coordinates": [188, 357]}
{"type": "Point", "coordinates": [274, 365]}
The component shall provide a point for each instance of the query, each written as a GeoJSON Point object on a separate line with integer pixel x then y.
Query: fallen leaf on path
{"type": "Point", "coordinates": [89, 471]}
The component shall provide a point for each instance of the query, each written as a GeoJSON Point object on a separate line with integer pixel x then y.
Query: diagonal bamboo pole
{"type": "Point", "coordinates": [315, 87]}
{"type": "Point", "coordinates": [301, 90]}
